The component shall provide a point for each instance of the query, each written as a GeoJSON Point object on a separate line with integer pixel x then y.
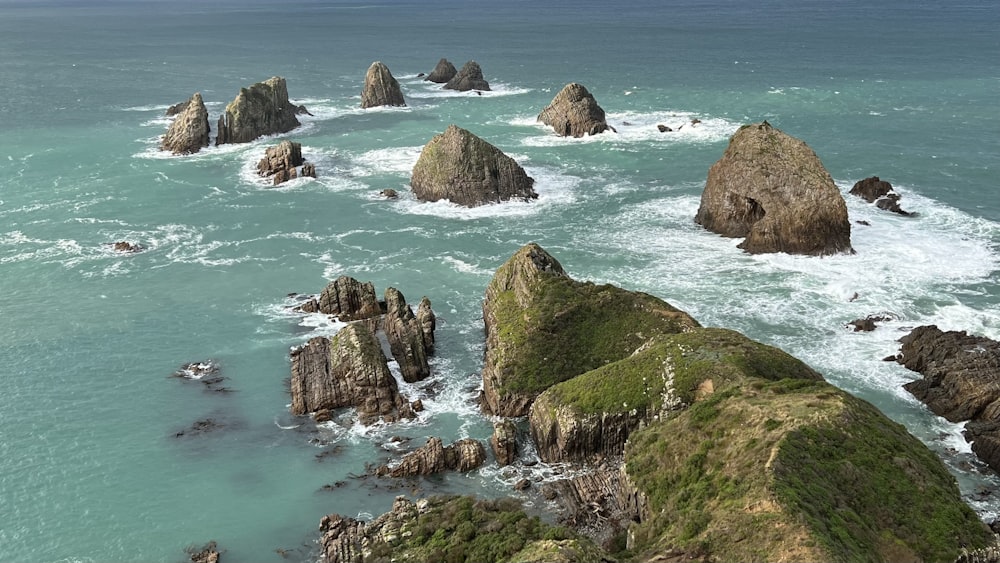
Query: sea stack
{"type": "Point", "coordinates": [283, 162]}
{"type": "Point", "coordinates": [381, 88]}
{"type": "Point", "coordinates": [261, 109]}
{"type": "Point", "coordinates": [188, 133]}
{"type": "Point", "coordinates": [469, 78]}
{"type": "Point", "coordinates": [442, 73]}
{"type": "Point", "coordinates": [574, 113]}
{"type": "Point", "coordinates": [773, 190]}
{"type": "Point", "coordinates": [459, 166]}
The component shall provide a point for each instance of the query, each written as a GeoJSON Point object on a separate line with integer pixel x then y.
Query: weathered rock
{"type": "Point", "coordinates": [961, 382]}
{"type": "Point", "coordinates": [405, 333]}
{"type": "Point", "coordinates": [417, 406]}
{"type": "Point", "coordinates": [348, 370]}
{"type": "Point", "coordinates": [574, 113]}
{"type": "Point", "coordinates": [381, 88]}
{"type": "Point", "coordinates": [261, 109]}
{"type": "Point", "coordinates": [879, 192]}
{"type": "Point", "coordinates": [772, 189]}
{"type": "Point", "coordinates": [868, 323]}
{"type": "Point", "coordinates": [208, 553]}
{"type": "Point", "coordinates": [663, 128]}
{"type": "Point", "coordinates": [281, 162]}
{"type": "Point", "coordinates": [542, 327]}
{"type": "Point", "coordinates": [188, 132]}
{"type": "Point", "coordinates": [127, 247]}
{"type": "Point", "coordinates": [442, 73]}
{"type": "Point", "coordinates": [389, 193]}
{"type": "Point", "coordinates": [308, 170]}
{"type": "Point", "coordinates": [469, 78]}
{"type": "Point", "coordinates": [459, 166]}
{"type": "Point", "coordinates": [504, 442]}
{"type": "Point", "coordinates": [177, 108]}
{"type": "Point", "coordinates": [428, 323]}
{"type": "Point", "coordinates": [469, 530]}
{"type": "Point", "coordinates": [434, 457]}
{"type": "Point", "coordinates": [200, 427]}
{"type": "Point", "coordinates": [347, 299]}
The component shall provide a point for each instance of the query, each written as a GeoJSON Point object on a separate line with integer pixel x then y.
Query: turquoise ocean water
{"type": "Point", "coordinates": [91, 467]}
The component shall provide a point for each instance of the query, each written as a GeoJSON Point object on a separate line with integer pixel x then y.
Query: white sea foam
{"type": "Point", "coordinates": [464, 267]}
{"type": "Point", "coordinates": [632, 127]}
{"type": "Point", "coordinates": [422, 89]}
{"type": "Point", "coordinates": [396, 160]}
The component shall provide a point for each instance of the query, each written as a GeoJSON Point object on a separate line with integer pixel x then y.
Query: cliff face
{"type": "Point", "coordinates": [464, 169]}
{"type": "Point", "coordinates": [189, 131]}
{"type": "Point", "coordinates": [542, 327]}
{"type": "Point", "coordinates": [261, 109]}
{"type": "Point", "coordinates": [574, 113]}
{"type": "Point", "coordinates": [773, 190]}
{"type": "Point", "coordinates": [381, 88]}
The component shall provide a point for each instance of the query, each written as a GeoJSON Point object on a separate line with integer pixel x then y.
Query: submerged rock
{"type": "Point", "coordinates": [261, 109]}
{"type": "Point", "coordinates": [464, 169]}
{"type": "Point", "coordinates": [434, 457]}
{"type": "Point", "coordinates": [208, 553]}
{"type": "Point", "coordinates": [126, 247]}
{"type": "Point", "coordinates": [442, 73]}
{"type": "Point", "coordinates": [189, 131]}
{"type": "Point", "coordinates": [282, 162]}
{"type": "Point", "coordinates": [773, 190]}
{"type": "Point", "coordinates": [381, 88]}
{"type": "Point", "coordinates": [574, 113]}
{"type": "Point", "coordinates": [469, 78]}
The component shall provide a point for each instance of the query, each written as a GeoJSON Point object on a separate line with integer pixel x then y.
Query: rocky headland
{"type": "Point", "coordinates": [772, 189]}
{"type": "Point", "coordinates": [381, 88]}
{"type": "Point", "coordinates": [574, 113]}
{"type": "Point", "coordinates": [464, 169]}
{"type": "Point", "coordinates": [189, 131]}
{"type": "Point", "coordinates": [262, 109]}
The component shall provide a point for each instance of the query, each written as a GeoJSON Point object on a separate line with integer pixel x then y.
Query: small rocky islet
{"type": "Point", "coordinates": [688, 442]}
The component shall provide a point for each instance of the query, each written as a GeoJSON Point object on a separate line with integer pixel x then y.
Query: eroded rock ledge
{"type": "Point", "coordinates": [434, 457]}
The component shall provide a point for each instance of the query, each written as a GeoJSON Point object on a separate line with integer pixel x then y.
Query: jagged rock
{"type": "Point", "coordinates": [442, 73]}
{"type": "Point", "coordinates": [961, 382]}
{"type": "Point", "coordinates": [405, 333]}
{"type": "Point", "coordinates": [127, 247]}
{"type": "Point", "coordinates": [469, 78]}
{"type": "Point", "coordinates": [348, 370]}
{"type": "Point", "coordinates": [188, 132]}
{"type": "Point", "coordinates": [428, 323]}
{"type": "Point", "coordinates": [434, 457]}
{"type": "Point", "coordinates": [879, 192]}
{"type": "Point", "coordinates": [504, 442]}
{"type": "Point", "coordinates": [470, 530]}
{"type": "Point", "coordinates": [261, 109]}
{"type": "Point", "coordinates": [867, 324]}
{"type": "Point", "coordinates": [542, 327]}
{"type": "Point", "coordinates": [664, 129]}
{"type": "Point", "coordinates": [281, 162]}
{"type": "Point", "coordinates": [381, 88]}
{"type": "Point", "coordinates": [177, 108]}
{"type": "Point", "coordinates": [574, 113]}
{"type": "Point", "coordinates": [522, 485]}
{"type": "Point", "coordinates": [347, 299]}
{"type": "Point", "coordinates": [208, 553]}
{"type": "Point", "coordinates": [389, 193]}
{"type": "Point", "coordinates": [459, 166]}
{"type": "Point", "coordinates": [772, 189]}
{"type": "Point", "coordinates": [417, 406]}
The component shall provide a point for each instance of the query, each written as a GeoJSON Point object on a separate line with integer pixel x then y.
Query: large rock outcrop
{"type": "Point", "coordinates": [347, 299]}
{"type": "Point", "coordinates": [503, 442]}
{"type": "Point", "coordinates": [189, 131]}
{"type": "Point", "coordinates": [434, 457]}
{"type": "Point", "coordinates": [348, 370]}
{"type": "Point", "coordinates": [452, 529]}
{"type": "Point", "coordinates": [442, 73]}
{"type": "Point", "coordinates": [470, 77]}
{"type": "Point", "coordinates": [878, 191]}
{"type": "Point", "coordinates": [284, 162]}
{"type": "Point", "coordinates": [961, 382]}
{"type": "Point", "coordinates": [406, 336]}
{"type": "Point", "coordinates": [773, 190]}
{"type": "Point", "coordinates": [381, 88]}
{"type": "Point", "coordinates": [542, 327]}
{"type": "Point", "coordinates": [574, 113]}
{"type": "Point", "coordinates": [261, 109]}
{"type": "Point", "coordinates": [464, 169]}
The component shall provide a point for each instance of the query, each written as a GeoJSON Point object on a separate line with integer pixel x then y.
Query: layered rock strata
{"type": "Point", "coordinates": [574, 113]}
{"type": "Point", "coordinates": [504, 442]}
{"type": "Point", "coordinates": [961, 382]}
{"type": "Point", "coordinates": [282, 163]}
{"type": "Point", "coordinates": [464, 169]}
{"type": "Point", "coordinates": [348, 370]}
{"type": "Point", "coordinates": [470, 77]}
{"type": "Point", "coordinates": [262, 109]}
{"type": "Point", "coordinates": [347, 299]}
{"type": "Point", "coordinates": [381, 88]}
{"type": "Point", "coordinates": [773, 190]}
{"type": "Point", "coordinates": [434, 457]}
{"type": "Point", "coordinates": [189, 131]}
{"type": "Point", "coordinates": [405, 333]}
{"type": "Point", "coordinates": [442, 73]}
{"type": "Point", "coordinates": [542, 327]}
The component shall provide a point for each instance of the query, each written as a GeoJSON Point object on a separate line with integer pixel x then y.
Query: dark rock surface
{"type": "Point", "coordinates": [442, 73]}
{"type": "Point", "coordinates": [961, 382]}
{"type": "Point", "coordinates": [126, 247]}
{"type": "Point", "coordinates": [868, 323]}
{"type": "Point", "coordinates": [189, 131]}
{"type": "Point", "coordinates": [261, 109]}
{"type": "Point", "coordinates": [470, 77]}
{"type": "Point", "coordinates": [773, 190]}
{"type": "Point", "coordinates": [405, 333]}
{"type": "Point", "coordinates": [208, 553]}
{"type": "Point", "coordinates": [347, 299]}
{"type": "Point", "coordinates": [433, 457]}
{"type": "Point", "coordinates": [282, 162]}
{"type": "Point", "coordinates": [574, 113]}
{"type": "Point", "coordinates": [464, 169]}
{"type": "Point", "coordinates": [879, 192]}
{"type": "Point", "coordinates": [381, 88]}
{"type": "Point", "coordinates": [504, 442]}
